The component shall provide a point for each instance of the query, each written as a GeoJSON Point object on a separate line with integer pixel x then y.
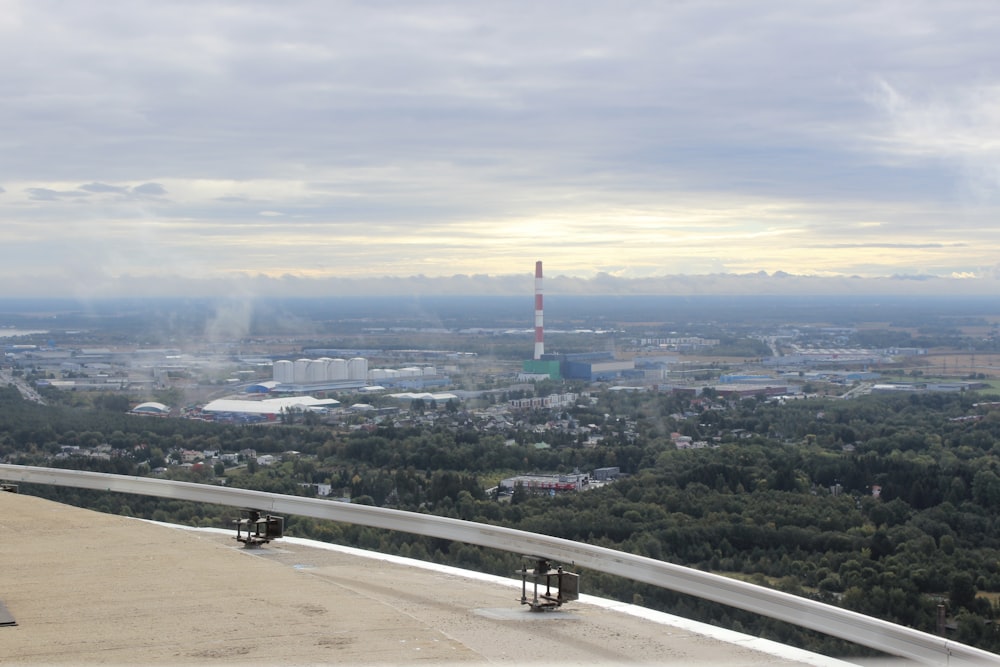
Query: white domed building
{"type": "Point", "coordinates": [151, 408]}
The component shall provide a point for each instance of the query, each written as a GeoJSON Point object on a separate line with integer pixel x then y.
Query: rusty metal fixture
{"type": "Point", "coordinates": [256, 528]}
{"type": "Point", "coordinates": [560, 586]}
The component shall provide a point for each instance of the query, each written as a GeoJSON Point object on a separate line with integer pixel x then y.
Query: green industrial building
{"type": "Point", "coordinates": [550, 367]}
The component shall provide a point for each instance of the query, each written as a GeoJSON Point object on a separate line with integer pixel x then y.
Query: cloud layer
{"type": "Point", "coordinates": [345, 140]}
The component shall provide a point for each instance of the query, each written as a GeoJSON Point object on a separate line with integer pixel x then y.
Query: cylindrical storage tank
{"type": "Point", "coordinates": [283, 371]}
{"type": "Point", "coordinates": [376, 374]}
{"type": "Point", "coordinates": [391, 373]}
{"type": "Point", "coordinates": [357, 369]}
{"type": "Point", "coordinates": [325, 365]}
{"type": "Point", "coordinates": [338, 370]}
{"type": "Point", "coordinates": [301, 374]}
{"type": "Point", "coordinates": [409, 372]}
{"type": "Point", "coordinates": [429, 370]}
{"type": "Point", "coordinates": [316, 371]}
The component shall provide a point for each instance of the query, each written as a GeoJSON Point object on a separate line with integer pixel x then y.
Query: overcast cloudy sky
{"type": "Point", "coordinates": [180, 141]}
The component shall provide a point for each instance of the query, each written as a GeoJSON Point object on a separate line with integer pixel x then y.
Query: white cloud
{"type": "Point", "coordinates": [104, 187]}
{"type": "Point", "coordinates": [651, 138]}
{"type": "Point", "coordinates": [149, 190]}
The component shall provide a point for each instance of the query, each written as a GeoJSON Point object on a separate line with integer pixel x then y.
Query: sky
{"type": "Point", "coordinates": [315, 146]}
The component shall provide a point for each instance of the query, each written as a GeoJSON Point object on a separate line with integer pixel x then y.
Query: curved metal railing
{"type": "Point", "coordinates": [852, 626]}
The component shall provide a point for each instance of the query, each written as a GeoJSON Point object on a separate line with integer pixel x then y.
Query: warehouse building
{"type": "Point", "coordinates": [589, 366]}
{"type": "Point", "coordinates": [267, 410]}
{"type": "Point", "coordinates": [550, 484]}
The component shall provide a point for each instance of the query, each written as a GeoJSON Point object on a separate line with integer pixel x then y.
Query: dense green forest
{"type": "Point", "coordinates": [881, 504]}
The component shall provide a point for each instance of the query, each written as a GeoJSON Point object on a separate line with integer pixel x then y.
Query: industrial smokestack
{"type": "Point", "coordinates": [539, 332]}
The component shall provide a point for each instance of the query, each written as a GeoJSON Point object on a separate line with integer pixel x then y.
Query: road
{"type": "Point", "coordinates": [861, 389]}
{"type": "Point", "coordinates": [27, 391]}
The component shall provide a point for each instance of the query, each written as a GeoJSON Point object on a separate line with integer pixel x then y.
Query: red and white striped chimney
{"type": "Point", "coordinates": [539, 332]}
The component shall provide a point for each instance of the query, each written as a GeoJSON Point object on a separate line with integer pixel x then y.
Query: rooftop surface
{"type": "Point", "coordinates": [86, 587]}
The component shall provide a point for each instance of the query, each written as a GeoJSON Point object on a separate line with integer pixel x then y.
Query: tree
{"type": "Point", "coordinates": [519, 494]}
{"type": "Point", "coordinates": [986, 488]}
{"type": "Point", "coordinates": [962, 592]}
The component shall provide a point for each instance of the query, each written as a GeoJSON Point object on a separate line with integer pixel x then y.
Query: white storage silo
{"type": "Point", "coordinates": [301, 373]}
{"type": "Point", "coordinates": [316, 371]}
{"type": "Point", "coordinates": [429, 370]}
{"type": "Point", "coordinates": [283, 371]}
{"type": "Point", "coordinates": [337, 370]}
{"type": "Point", "coordinates": [357, 369]}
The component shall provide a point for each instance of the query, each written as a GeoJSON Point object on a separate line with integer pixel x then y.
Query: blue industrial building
{"type": "Point", "coordinates": [589, 366]}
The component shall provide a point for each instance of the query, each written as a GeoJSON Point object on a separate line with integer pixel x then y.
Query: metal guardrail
{"type": "Point", "coordinates": [852, 626]}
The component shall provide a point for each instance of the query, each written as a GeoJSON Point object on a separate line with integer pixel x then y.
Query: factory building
{"type": "Point", "coordinates": [589, 366]}
{"type": "Point", "coordinates": [606, 474]}
{"type": "Point", "coordinates": [268, 410]}
{"type": "Point", "coordinates": [262, 387]}
{"type": "Point", "coordinates": [550, 484]}
{"type": "Point", "coordinates": [536, 402]}
{"type": "Point", "coordinates": [596, 367]}
{"type": "Point", "coordinates": [151, 408]}
{"type": "Point", "coordinates": [548, 366]}
{"type": "Point", "coordinates": [438, 399]}
{"type": "Point", "coordinates": [592, 367]}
